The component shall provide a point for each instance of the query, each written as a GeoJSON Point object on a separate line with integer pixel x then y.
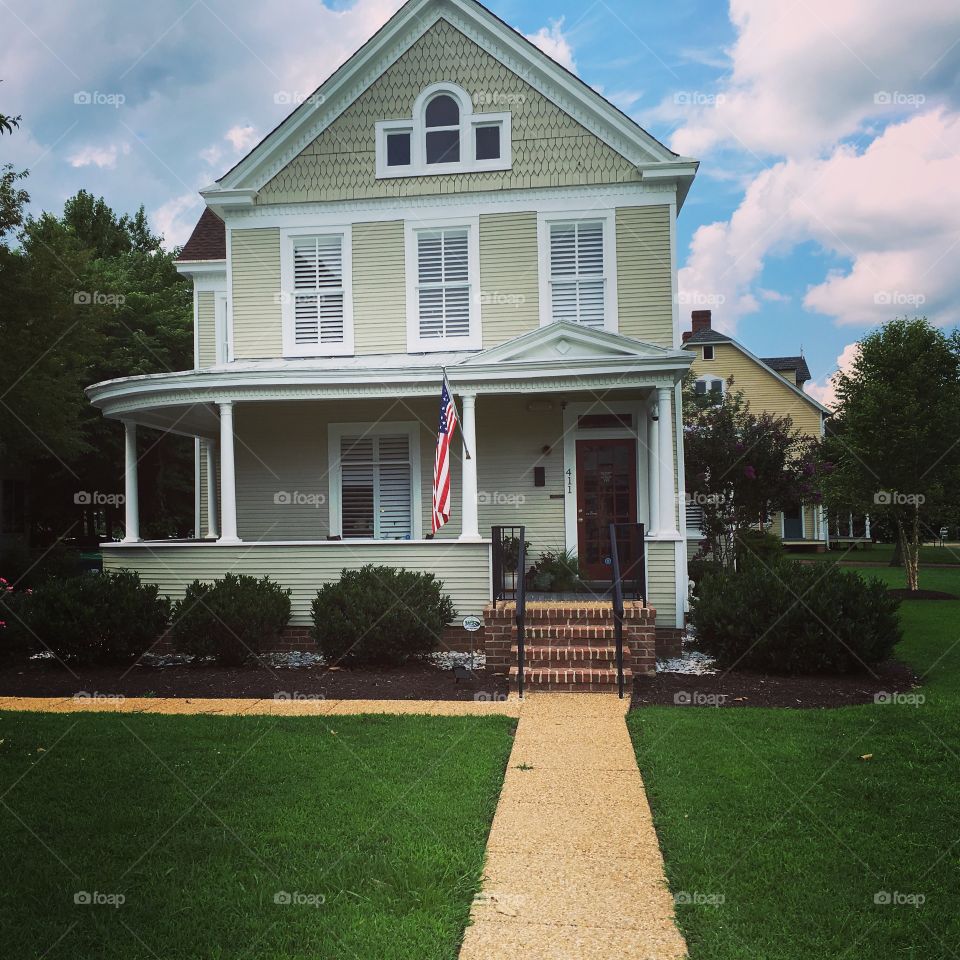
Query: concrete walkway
{"type": "Point", "coordinates": [573, 865]}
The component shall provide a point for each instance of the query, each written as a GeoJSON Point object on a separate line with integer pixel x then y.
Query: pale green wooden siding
{"type": "Point", "coordinates": [644, 274]}
{"type": "Point", "coordinates": [662, 581]}
{"type": "Point", "coordinates": [509, 445]}
{"type": "Point", "coordinates": [282, 448]}
{"type": "Point", "coordinates": [509, 287]}
{"type": "Point", "coordinates": [379, 290]}
{"type": "Point", "coordinates": [464, 568]}
{"type": "Point", "coordinates": [206, 329]}
{"type": "Point", "coordinates": [549, 147]}
{"type": "Point", "coordinates": [255, 268]}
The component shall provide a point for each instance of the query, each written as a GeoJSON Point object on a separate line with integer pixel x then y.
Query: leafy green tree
{"type": "Point", "coordinates": [896, 435]}
{"type": "Point", "coordinates": [743, 467]}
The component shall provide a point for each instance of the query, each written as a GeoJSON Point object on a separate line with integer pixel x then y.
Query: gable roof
{"type": "Point", "coordinates": [789, 363]}
{"type": "Point", "coordinates": [239, 185]}
{"type": "Point", "coordinates": [713, 336]}
{"type": "Point", "coordinates": [208, 240]}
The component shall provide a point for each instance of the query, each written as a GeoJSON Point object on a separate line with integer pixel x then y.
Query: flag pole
{"type": "Point", "coordinates": [466, 449]}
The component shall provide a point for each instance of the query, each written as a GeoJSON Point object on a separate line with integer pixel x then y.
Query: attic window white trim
{"type": "Point", "coordinates": [711, 386]}
{"type": "Point", "coordinates": [416, 128]}
{"type": "Point", "coordinates": [290, 294]}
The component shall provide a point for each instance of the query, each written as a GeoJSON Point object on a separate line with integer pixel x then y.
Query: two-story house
{"type": "Point", "coordinates": [769, 385]}
{"type": "Point", "coordinates": [450, 198]}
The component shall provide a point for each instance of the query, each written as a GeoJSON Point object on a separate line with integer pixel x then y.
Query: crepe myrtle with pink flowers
{"type": "Point", "coordinates": [744, 467]}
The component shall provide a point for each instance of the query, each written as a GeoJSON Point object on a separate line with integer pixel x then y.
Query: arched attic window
{"type": "Point", "coordinates": [443, 135]}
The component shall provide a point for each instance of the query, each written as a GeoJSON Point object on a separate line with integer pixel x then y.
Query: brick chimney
{"type": "Point", "coordinates": [699, 320]}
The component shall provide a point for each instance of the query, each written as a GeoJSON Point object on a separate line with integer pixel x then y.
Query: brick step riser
{"type": "Point", "coordinates": [554, 675]}
{"type": "Point", "coordinates": [554, 687]}
{"type": "Point", "coordinates": [565, 636]}
{"type": "Point", "coordinates": [538, 663]}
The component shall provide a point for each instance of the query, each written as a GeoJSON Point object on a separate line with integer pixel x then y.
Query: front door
{"type": "Point", "coordinates": [606, 493]}
{"type": "Point", "coordinates": [793, 523]}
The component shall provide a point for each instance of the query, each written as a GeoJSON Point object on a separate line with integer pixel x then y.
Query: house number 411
{"type": "Point", "coordinates": [569, 480]}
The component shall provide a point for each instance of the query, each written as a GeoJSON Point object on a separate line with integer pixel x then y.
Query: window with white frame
{"type": "Point", "coordinates": [442, 276]}
{"type": "Point", "coordinates": [443, 135]}
{"type": "Point", "coordinates": [709, 386]}
{"type": "Point", "coordinates": [374, 481]}
{"type": "Point", "coordinates": [577, 268]}
{"type": "Point", "coordinates": [577, 272]}
{"type": "Point", "coordinates": [316, 299]}
{"type": "Point", "coordinates": [708, 351]}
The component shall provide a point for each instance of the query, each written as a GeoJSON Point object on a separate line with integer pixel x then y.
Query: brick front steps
{"type": "Point", "coordinates": [570, 644]}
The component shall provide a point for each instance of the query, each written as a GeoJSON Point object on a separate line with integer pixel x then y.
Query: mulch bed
{"type": "Point", "coordinates": [903, 594]}
{"type": "Point", "coordinates": [45, 679]}
{"type": "Point", "coordinates": [745, 689]}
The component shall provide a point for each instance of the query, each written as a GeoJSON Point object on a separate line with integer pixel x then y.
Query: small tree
{"type": "Point", "coordinates": [896, 435]}
{"type": "Point", "coordinates": [743, 467]}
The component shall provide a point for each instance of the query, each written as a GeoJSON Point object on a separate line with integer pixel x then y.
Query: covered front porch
{"type": "Point", "coordinates": [304, 470]}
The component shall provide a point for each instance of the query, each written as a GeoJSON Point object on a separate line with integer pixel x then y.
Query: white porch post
{"type": "Point", "coordinates": [653, 473]}
{"type": "Point", "coordinates": [228, 482]}
{"type": "Point", "coordinates": [212, 508]}
{"type": "Point", "coordinates": [469, 527]}
{"type": "Point", "coordinates": [866, 521]}
{"type": "Point", "coordinates": [130, 492]}
{"type": "Point", "coordinates": [850, 526]}
{"type": "Point", "coordinates": [667, 522]}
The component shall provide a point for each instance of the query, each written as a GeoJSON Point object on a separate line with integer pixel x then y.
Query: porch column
{"type": "Point", "coordinates": [667, 522]}
{"type": "Point", "coordinates": [850, 527]}
{"type": "Point", "coordinates": [866, 522]}
{"type": "Point", "coordinates": [228, 483]}
{"type": "Point", "coordinates": [469, 527]}
{"type": "Point", "coordinates": [212, 507]}
{"type": "Point", "coordinates": [653, 473]}
{"type": "Point", "coordinates": [130, 492]}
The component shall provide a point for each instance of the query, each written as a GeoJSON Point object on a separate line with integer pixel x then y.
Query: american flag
{"type": "Point", "coordinates": [441, 467]}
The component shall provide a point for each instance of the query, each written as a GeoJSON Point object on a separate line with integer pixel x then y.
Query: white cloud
{"type": "Point", "coordinates": [241, 138]}
{"type": "Point", "coordinates": [553, 43]}
{"type": "Point", "coordinates": [892, 210]}
{"type": "Point", "coordinates": [175, 219]}
{"type": "Point", "coordinates": [806, 75]}
{"type": "Point", "coordinates": [826, 392]}
{"type": "Point", "coordinates": [104, 157]}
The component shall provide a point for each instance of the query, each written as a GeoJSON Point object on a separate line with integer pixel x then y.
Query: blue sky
{"type": "Point", "coordinates": [828, 132]}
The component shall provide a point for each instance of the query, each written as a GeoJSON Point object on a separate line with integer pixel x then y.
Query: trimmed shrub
{"type": "Point", "coordinates": [16, 642]}
{"type": "Point", "coordinates": [100, 618]}
{"type": "Point", "coordinates": [380, 616]}
{"type": "Point", "coordinates": [231, 619]}
{"type": "Point", "coordinates": [795, 618]}
{"type": "Point", "coordinates": [758, 545]}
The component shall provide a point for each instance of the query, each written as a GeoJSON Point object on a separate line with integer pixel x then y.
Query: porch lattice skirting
{"type": "Point", "coordinates": [570, 644]}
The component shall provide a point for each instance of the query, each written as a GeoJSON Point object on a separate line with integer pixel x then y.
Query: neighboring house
{"type": "Point", "coordinates": [770, 385]}
{"type": "Point", "coordinates": [449, 198]}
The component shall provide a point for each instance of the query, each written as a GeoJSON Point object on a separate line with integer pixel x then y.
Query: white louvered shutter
{"type": "Point", "coordinates": [376, 493]}
{"type": "Point", "coordinates": [443, 284]}
{"type": "Point", "coordinates": [577, 278]}
{"type": "Point", "coordinates": [318, 290]}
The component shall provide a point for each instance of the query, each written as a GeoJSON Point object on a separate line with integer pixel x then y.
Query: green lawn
{"type": "Point", "coordinates": [883, 553]}
{"type": "Point", "coordinates": [776, 812]}
{"type": "Point", "coordinates": [372, 827]}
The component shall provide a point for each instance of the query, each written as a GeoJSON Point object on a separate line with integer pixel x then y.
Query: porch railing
{"type": "Point", "coordinates": [632, 577]}
{"type": "Point", "coordinates": [509, 582]}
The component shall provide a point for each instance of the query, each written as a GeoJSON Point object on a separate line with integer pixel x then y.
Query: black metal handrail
{"type": "Point", "coordinates": [617, 605]}
{"type": "Point", "coordinates": [635, 573]}
{"type": "Point", "coordinates": [521, 593]}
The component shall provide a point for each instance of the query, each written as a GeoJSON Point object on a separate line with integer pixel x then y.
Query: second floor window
{"type": "Point", "coordinates": [316, 294]}
{"type": "Point", "coordinates": [443, 311]}
{"type": "Point", "coordinates": [577, 272]}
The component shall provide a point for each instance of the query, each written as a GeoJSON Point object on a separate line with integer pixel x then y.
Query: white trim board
{"type": "Point", "coordinates": [477, 23]}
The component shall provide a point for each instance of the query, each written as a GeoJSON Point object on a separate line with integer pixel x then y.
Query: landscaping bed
{"type": "Point", "coordinates": [736, 688]}
{"type": "Point", "coordinates": [422, 681]}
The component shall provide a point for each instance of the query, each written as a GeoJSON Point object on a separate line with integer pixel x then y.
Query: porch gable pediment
{"type": "Point", "coordinates": [564, 341]}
